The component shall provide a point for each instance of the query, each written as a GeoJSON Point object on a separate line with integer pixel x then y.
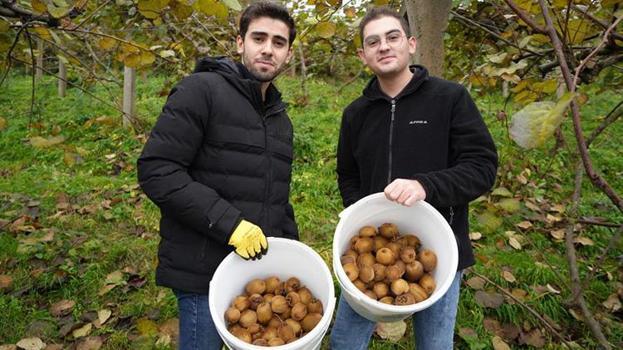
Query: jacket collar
{"type": "Point", "coordinates": [373, 91]}
{"type": "Point", "coordinates": [239, 76]}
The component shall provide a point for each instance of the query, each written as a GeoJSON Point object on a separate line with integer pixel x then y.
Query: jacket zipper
{"type": "Point", "coordinates": [391, 136]}
{"type": "Point", "coordinates": [451, 215]}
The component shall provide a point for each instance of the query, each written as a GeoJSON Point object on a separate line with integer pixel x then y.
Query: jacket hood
{"type": "Point", "coordinates": [239, 76]}
{"type": "Point", "coordinates": [373, 91]}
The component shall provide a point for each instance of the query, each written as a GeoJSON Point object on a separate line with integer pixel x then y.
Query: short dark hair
{"type": "Point", "coordinates": [270, 10]}
{"type": "Point", "coordinates": [382, 11]}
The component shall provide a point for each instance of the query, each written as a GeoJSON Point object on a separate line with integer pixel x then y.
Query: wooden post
{"type": "Point", "coordinates": [62, 81]}
{"type": "Point", "coordinates": [129, 95]}
{"type": "Point", "coordinates": [39, 63]}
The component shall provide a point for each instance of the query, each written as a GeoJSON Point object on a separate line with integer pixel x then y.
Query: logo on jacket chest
{"type": "Point", "coordinates": [418, 122]}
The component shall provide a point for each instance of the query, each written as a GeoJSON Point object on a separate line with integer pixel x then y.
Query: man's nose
{"type": "Point", "coordinates": [384, 45]}
{"type": "Point", "coordinates": [267, 48]}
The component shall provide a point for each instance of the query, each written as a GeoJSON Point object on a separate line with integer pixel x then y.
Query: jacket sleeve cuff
{"type": "Point", "coordinates": [222, 220]}
{"type": "Point", "coordinates": [428, 188]}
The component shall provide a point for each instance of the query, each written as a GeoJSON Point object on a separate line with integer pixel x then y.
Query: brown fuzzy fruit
{"type": "Point", "coordinates": [255, 300]}
{"type": "Point", "coordinates": [256, 286]}
{"type": "Point", "coordinates": [345, 259]}
{"type": "Point", "coordinates": [310, 321]}
{"type": "Point", "coordinates": [241, 303]}
{"type": "Point", "coordinates": [364, 245]}
{"type": "Point", "coordinates": [268, 297]}
{"type": "Point", "coordinates": [428, 259]}
{"type": "Point", "coordinates": [305, 295]}
{"type": "Point", "coordinates": [366, 273]}
{"type": "Point", "coordinates": [414, 271]}
{"type": "Point", "coordinates": [286, 314]}
{"type": "Point", "coordinates": [276, 342]}
{"type": "Point", "coordinates": [279, 304]}
{"type": "Point", "coordinates": [367, 231]}
{"type": "Point", "coordinates": [351, 252]}
{"type": "Point", "coordinates": [271, 284]}
{"type": "Point", "coordinates": [293, 298]}
{"type": "Point", "coordinates": [275, 322]}
{"type": "Point", "coordinates": [387, 300]}
{"type": "Point", "coordinates": [379, 272]}
{"type": "Point", "coordinates": [264, 313]}
{"type": "Point", "coordinates": [254, 329]}
{"type": "Point", "coordinates": [232, 315]}
{"type": "Point", "coordinates": [418, 292]}
{"type": "Point", "coordinates": [428, 283]}
{"type": "Point", "coordinates": [401, 264]}
{"type": "Point", "coordinates": [394, 247]}
{"type": "Point", "coordinates": [243, 335]}
{"type": "Point", "coordinates": [413, 241]}
{"type": "Point", "coordinates": [408, 254]}
{"type": "Point", "coordinates": [379, 242]}
{"type": "Point", "coordinates": [380, 290]}
{"type": "Point", "coordinates": [314, 306]}
{"type": "Point", "coordinates": [405, 299]}
{"type": "Point", "coordinates": [247, 318]}
{"type": "Point", "coordinates": [393, 272]}
{"type": "Point", "coordinates": [365, 259]}
{"type": "Point", "coordinates": [399, 287]}
{"type": "Point", "coordinates": [260, 342]}
{"type": "Point", "coordinates": [295, 325]}
{"type": "Point", "coordinates": [388, 230]}
{"type": "Point", "coordinates": [293, 284]}
{"type": "Point", "coordinates": [370, 294]}
{"type": "Point", "coordinates": [299, 311]}
{"type": "Point", "coordinates": [352, 271]}
{"type": "Point", "coordinates": [360, 285]}
{"type": "Point", "coordinates": [281, 289]}
{"type": "Point", "coordinates": [385, 256]}
{"type": "Point", "coordinates": [269, 333]}
{"type": "Point", "coordinates": [353, 240]}
{"type": "Point", "coordinates": [286, 332]}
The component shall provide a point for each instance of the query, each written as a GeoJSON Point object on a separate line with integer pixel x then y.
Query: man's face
{"type": "Point", "coordinates": [386, 48]}
{"type": "Point", "coordinates": [265, 49]}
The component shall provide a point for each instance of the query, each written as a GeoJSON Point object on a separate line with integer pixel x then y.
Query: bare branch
{"type": "Point", "coordinates": [597, 21]}
{"type": "Point", "coordinates": [525, 17]}
{"type": "Point", "coordinates": [610, 118]}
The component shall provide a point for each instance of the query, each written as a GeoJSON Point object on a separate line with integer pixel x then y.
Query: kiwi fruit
{"type": "Point", "coordinates": [388, 230]}
{"type": "Point", "coordinates": [393, 272]}
{"type": "Point", "coordinates": [414, 271]}
{"type": "Point", "coordinates": [381, 290]}
{"type": "Point", "coordinates": [405, 299]}
{"type": "Point", "coordinates": [299, 310]}
{"type": "Point", "coordinates": [370, 294]}
{"type": "Point", "coordinates": [385, 256]}
{"type": "Point", "coordinates": [271, 284]}
{"type": "Point", "coordinates": [314, 306]}
{"type": "Point", "coordinates": [275, 322]}
{"type": "Point", "coordinates": [428, 283]}
{"type": "Point", "coordinates": [255, 300]}
{"type": "Point", "coordinates": [293, 298]}
{"type": "Point", "coordinates": [286, 314]}
{"type": "Point", "coordinates": [279, 304]}
{"type": "Point", "coordinates": [401, 265]}
{"type": "Point", "coordinates": [293, 284]}
{"type": "Point", "coordinates": [345, 259]}
{"type": "Point", "coordinates": [379, 242]}
{"type": "Point", "coordinates": [260, 342]}
{"type": "Point", "coordinates": [399, 287]}
{"type": "Point", "coordinates": [295, 325]}
{"type": "Point", "coordinates": [243, 335]}
{"type": "Point", "coordinates": [281, 289]}
{"type": "Point", "coordinates": [352, 253]}
{"type": "Point", "coordinates": [387, 300]}
{"type": "Point", "coordinates": [351, 271]}
{"type": "Point", "coordinates": [305, 295]}
{"type": "Point", "coordinates": [394, 247]}
{"type": "Point", "coordinates": [269, 333]}
{"type": "Point", "coordinates": [264, 313]}
{"type": "Point", "coordinates": [232, 315]}
{"type": "Point", "coordinates": [247, 318]}
{"type": "Point", "coordinates": [254, 329]}
{"type": "Point", "coordinates": [241, 303]}
{"type": "Point", "coordinates": [367, 231]}
{"type": "Point", "coordinates": [354, 240]}
{"type": "Point", "coordinates": [408, 254]}
{"type": "Point", "coordinates": [366, 273]}
{"type": "Point", "coordinates": [379, 272]}
{"type": "Point", "coordinates": [428, 259]}
{"type": "Point", "coordinates": [276, 342]}
{"type": "Point", "coordinates": [256, 286]}
{"type": "Point", "coordinates": [365, 259]}
{"type": "Point", "coordinates": [360, 285]}
{"type": "Point", "coordinates": [310, 321]}
{"type": "Point", "coordinates": [364, 245]}
{"type": "Point", "coordinates": [268, 297]}
{"type": "Point", "coordinates": [286, 332]}
{"type": "Point", "coordinates": [418, 292]}
{"type": "Point", "coordinates": [413, 241]}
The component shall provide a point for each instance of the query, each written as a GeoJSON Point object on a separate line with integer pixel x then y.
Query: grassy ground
{"type": "Point", "coordinates": [77, 230]}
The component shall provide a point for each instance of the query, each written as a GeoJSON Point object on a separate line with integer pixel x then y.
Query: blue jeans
{"type": "Point", "coordinates": [352, 332]}
{"type": "Point", "coordinates": [197, 330]}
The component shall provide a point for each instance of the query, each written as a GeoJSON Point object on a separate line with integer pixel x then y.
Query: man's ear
{"type": "Point", "coordinates": [412, 45]}
{"type": "Point", "coordinates": [290, 53]}
{"type": "Point", "coordinates": [239, 45]}
{"type": "Point", "coordinates": [362, 56]}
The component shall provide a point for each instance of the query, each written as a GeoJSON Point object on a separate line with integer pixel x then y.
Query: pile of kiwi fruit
{"type": "Point", "coordinates": [272, 312]}
{"type": "Point", "coordinates": [389, 267]}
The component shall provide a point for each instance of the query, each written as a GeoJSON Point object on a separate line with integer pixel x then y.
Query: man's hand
{"type": "Point", "coordinates": [249, 241]}
{"type": "Point", "coordinates": [405, 192]}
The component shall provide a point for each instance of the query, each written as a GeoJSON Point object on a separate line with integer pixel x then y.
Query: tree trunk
{"type": "Point", "coordinates": [129, 96]}
{"type": "Point", "coordinates": [428, 20]}
{"type": "Point", "coordinates": [39, 60]}
{"type": "Point", "coordinates": [62, 75]}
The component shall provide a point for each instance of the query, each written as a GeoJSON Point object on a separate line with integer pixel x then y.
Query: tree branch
{"type": "Point", "coordinates": [597, 21]}
{"type": "Point", "coordinates": [610, 118]}
{"type": "Point", "coordinates": [525, 17]}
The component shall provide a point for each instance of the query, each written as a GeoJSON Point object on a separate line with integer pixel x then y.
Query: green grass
{"type": "Point", "coordinates": [112, 226]}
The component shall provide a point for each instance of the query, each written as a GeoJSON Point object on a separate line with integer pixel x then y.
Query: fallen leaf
{"type": "Point", "coordinates": [170, 327]}
{"type": "Point", "coordinates": [489, 221]}
{"type": "Point", "coordinates": [392, 331]}
{"type": "Point", "coordinates": [552, 289]}
{"type": "Point", "coordinates": [41, 142]}
{"type": "Point", "coordinates": [533, 338]}
{"type": "Point", "coordinates": [82, 331]}
{"type": "Point", "coordinates": [54, 347]}
{"type": "Point", "coordinates": [163, 340]}
{"type": "Point", "coordinates": [62, 308]}
{"type": "Point", "coordinates": [558, 234]}
{"type": "Point", "coordinates": [31, 344]}
{"type": "Point", "coordinates": [524, 225]}
{"type": "Point", "coordinates": [489, 299]}
{"type": "Point", "coordinates": [8, 347]}
{"type": "Point", "coordinates": [558, 208]}
{"type": "Point", "coordinates": [576, 314]}
{"type": "Point", "coordinates": [530, 205]}
{"type": "Point", "coordinates": [583, 241]}
{"type": "Point", "coordinates": [522, 179]}
{"type": "Point", "coordinates": [514, 243]}
{"type": "Point", "coordinates": [492, 325]}
{"type": "Point", "coordinates": [90, 343]}
{"type": "Point", "coordinates": [499, 344]}
{"type": "Point", "coordinates": [474, 236]}
{"type": "Point", "coordinates": [115, 278]}
{"type": "Point", "coordinates": [107, 288]}
{"type": "Point", "coordinates": [519, 294]}
{"type": "Point", "coordinates": [469, 333]}
{"type": "Point", "coordinates": [508, 276]}
{"type": "Point", "coordinates": [551, 219]}
{"type": "Point", "coordinates": [510, 205]}
{"type": "Point", "coordinates": [613, 304]}
{"type": "Point", "coordinates": [502, 192]}
{"type": "Point", "coordinates": [476, 283]}
{"type": "Point", "coordinates": [103, 316]}
{"type": "Point", "coordinates": [509, 332]}
{"type": "Point", "coordinates": [5, 281]}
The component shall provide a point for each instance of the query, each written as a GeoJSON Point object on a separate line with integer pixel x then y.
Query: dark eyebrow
{"type": "Point", "coordinates": [386, 34]}
{"type": "Point", "coordinates": [264, 34]}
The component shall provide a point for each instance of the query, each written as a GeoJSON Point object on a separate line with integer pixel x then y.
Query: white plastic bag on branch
{"type": "Point", "coordinates": [532, 126]}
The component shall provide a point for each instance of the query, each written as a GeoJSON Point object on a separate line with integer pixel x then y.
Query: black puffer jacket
{"type": "Point", "coordinates": [432, 132]}
{"type": "Point", "coordinates": [216, 155]}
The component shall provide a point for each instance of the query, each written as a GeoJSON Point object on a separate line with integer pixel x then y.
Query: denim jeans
{"type": "Point", "coordinates": [352, 332]}
{"type": "Point", "coordinates": [197, 330]}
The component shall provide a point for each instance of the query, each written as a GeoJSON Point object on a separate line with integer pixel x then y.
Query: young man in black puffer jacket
{"type": "Point", "coordinates": [218, 165]}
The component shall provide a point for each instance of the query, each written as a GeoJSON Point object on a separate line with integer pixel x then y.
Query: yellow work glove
{"type": "Point", "coordinates": [249, 241]}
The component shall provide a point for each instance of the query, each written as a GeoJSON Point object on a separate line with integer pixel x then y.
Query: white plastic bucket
{"type": "Point", "coordinates": [420, 219]}
{"type": "Point", "coordinates": [285, 258]}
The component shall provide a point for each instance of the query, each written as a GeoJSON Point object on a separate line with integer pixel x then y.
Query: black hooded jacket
{"type": "Point", "coordinates": [432, 132]}
{"type": "Point", "coordinates": [217, 154]}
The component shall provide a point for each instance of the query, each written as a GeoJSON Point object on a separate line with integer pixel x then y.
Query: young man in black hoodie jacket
{"type": "Point", "coordinates": [218, 165]}
{"type": "Point", "coordinates": [414, 137]}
